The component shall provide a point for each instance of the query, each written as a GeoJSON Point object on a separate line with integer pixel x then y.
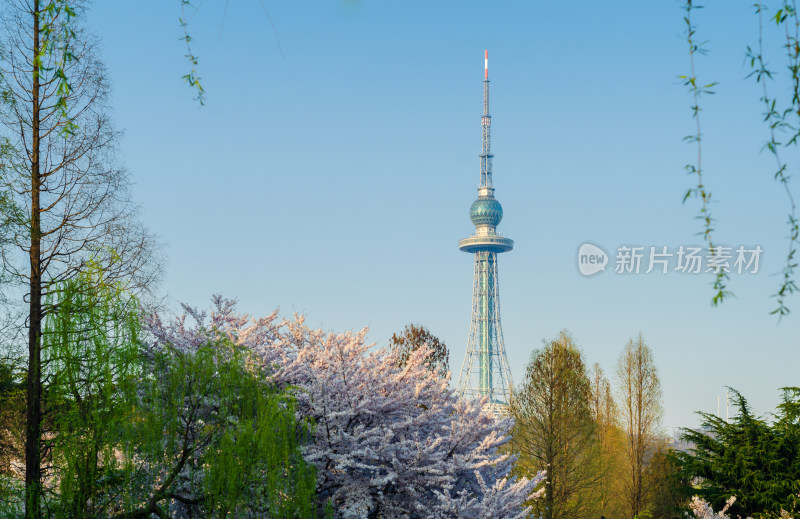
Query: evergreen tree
{"type": "Point", "coordinates": [748, 457]}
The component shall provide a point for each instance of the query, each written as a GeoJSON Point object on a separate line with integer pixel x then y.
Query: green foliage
{"type": "Point", "coordinates": [90, 343]}
{"type": "Point", "coordinates": [57, 21]}
{"type": "Point", "coordinates": [668, 487]}
{"type": "Point", "coordinates": [781, 117]}
{"type": "Point", "coordinates": [756, 460]}
{"type": "Point", "coordinates": [135, 432]}
{"type": "Point", "coordinates": [192, 78]}
{"type": "Point", "coordinates": [211, 435]}
{"type": "Point", "coordinates": [781, 121]}
{"type": "Point", "coordinates": [90, 354]}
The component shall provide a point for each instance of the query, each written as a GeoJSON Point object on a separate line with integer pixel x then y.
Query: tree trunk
{"type": "Point", "coordinates": [33, 430]}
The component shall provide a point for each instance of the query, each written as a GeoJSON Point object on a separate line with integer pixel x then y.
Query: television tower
{"type": "Point", "coordinates": [485, 371]}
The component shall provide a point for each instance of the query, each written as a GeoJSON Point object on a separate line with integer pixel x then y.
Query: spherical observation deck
{"type": "Point", "coordinates": [486, 210]}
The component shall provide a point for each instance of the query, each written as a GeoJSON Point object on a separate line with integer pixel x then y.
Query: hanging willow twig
{"type": "Point", "coordinates": [697, 90]}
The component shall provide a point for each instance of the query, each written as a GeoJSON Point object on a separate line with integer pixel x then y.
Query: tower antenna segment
{"type": "Point", "coordinates": [485, 372]}
{"type": "Point", "coordinates": [486, 128]}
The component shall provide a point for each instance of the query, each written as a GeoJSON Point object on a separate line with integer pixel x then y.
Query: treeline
{"type": "Point", "coordinates": [602, 445]}
{"type": "Point", "coordinates": [220, 415]}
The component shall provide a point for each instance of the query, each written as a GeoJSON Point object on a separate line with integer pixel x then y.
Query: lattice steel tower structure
{"type": "Point", "coordinates": [485, 371]}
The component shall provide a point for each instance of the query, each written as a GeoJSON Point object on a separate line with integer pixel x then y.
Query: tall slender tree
{"type": "Point", "coordinates": [640, 413]}
{"type": "Point", "coordinates": [605, 414]}
{"type": "Point", "coordinates": [554, 430]}
{"type": "Point", "coordinates": [65, 199]}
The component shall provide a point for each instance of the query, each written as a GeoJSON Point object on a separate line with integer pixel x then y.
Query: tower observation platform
{"type": "Point", "coordinates": [485, 372]}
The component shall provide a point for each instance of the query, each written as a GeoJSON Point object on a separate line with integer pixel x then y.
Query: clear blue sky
{"type": "Point", "coordinates": [334, 176]}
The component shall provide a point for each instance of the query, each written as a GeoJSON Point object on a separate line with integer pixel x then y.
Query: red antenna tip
{"type": "Point", "coordinates": [486, 64]}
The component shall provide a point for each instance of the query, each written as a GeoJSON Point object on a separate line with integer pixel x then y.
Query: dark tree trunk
{"type": "Point", "coordinates": [33, 430]}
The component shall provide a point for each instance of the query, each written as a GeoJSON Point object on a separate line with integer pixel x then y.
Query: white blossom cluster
{"type": "Point", "coordinates": [390, 441]}
{"type": "Point", "coordinates": [703, 510]}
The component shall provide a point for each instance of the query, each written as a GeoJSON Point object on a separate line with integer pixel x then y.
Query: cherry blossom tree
{"type": "Point", "coordinates": [389, 441]}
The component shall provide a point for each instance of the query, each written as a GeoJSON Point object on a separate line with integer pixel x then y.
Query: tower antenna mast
{"type": "Point", "coordinates": [486, 128]}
